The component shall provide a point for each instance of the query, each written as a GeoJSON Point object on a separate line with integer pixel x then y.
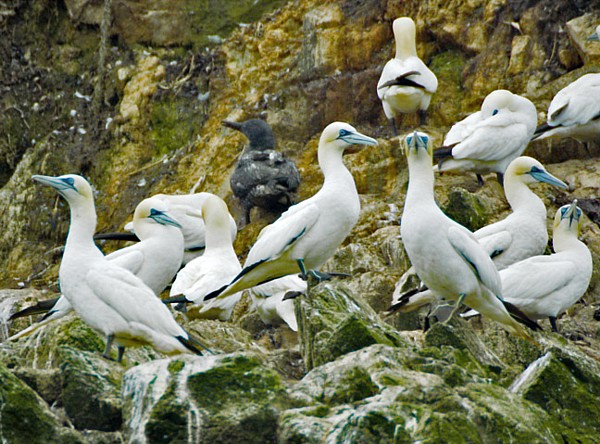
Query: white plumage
{"type": "Point", "coordinates": [214, 269]}
{"type": "Point", "coordinates": [488, 140]}
{"type": "Point", "coordinates": [155, 259]}
{"type": "Point", "coordinates": [268, 300]}
{"type": "Point", "coordinates": [445, 255]}
{"type": "Point", "coordinates": [574, 111]}
{"type": "Point", "coordinates": [310, 232]}
{"type": "Point", "coordinates": [406, 83]}
{"type": "Point", "coordinates": [107, 297]}
{"type": "Point", "coordinates": [546, 286]}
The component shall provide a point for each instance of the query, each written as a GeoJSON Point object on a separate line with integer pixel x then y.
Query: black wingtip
{"type": "Point", "coordinates": [117, 236]}
{"type": "Point", "coordinates": [444, 152]}
{"type": "Point", "coordinates": [541, 130]}
{"type": "Point", "coordinates": [521, 317]}
{"type": "Point", "coordinates": [215, 293]}
{"type": "Point", "coordinates": [194, 345]}
{"type": "Point", "coordinates": [39, 308]}
{"type": "Point", "coordinates": [179, 299]}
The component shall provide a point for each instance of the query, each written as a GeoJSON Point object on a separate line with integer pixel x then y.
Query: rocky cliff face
{"type": "Point", "coordinates": [170, 75]}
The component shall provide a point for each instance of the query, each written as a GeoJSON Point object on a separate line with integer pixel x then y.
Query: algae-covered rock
{"type": "Point", "coordinates": [25, 418]}
{"type": "Point", "coordinates": [212, 399]}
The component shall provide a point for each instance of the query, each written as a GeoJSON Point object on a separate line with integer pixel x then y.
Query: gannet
{"type": "Point", "coordinates": [546, 286]}
{"type": "Point", "coordinates": [155, 259]}
{"type": "Point", "coordinates": [214, 269]}
{"type": "Point", "coordinates": [488, 140]}
{"type": "Point", "coordinates": [270, 300]}
{"type": "Point", "coordinates": [185, 208]}
{"type": "Point", "coordinates": [310, 232]}
{"type": "Point", "coordinates": [594, 36]}
{"type": "Point", "coordinates": [109, 298]}
{"type": "Point", "coordinates": [574, 111]}
{"type": "Point", "coordinates": [445, 255]}
{"type": "Point", "coordinates": [520, 235]}
{"type": "Point", "coordinates": [263, 177]}
{"type": "Point", "coordinates": [406, 84]}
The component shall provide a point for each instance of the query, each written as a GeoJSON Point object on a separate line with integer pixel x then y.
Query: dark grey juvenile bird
{"type": "Point", "coordinates": [263, 177]}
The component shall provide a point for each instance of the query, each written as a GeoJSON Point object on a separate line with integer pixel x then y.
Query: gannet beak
{"type": "Point", "coordinates": [417, 140]}
{"type": "Point", "coordinates": [546, 177]}
{"type": "Point", "coordinates": [572, 213]}
{"type": "Point", "coordinates": [356, 139]}
{"type": "Point", "coordinates": [163, 218]}
{"type": "Point", "coordinates": [594, 37]}
{"type": "Point", "coordinates": [60, 184]}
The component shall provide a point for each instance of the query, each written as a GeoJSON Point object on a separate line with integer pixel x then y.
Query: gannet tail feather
{"type": "Point", "coordinates": [443, 152]}
{"type": "Point", "coordinates": [117, 236]}
{"type": "Point", "coordinates": [541, 129]}
{"type": "Point", "coordinates": [176, 299]}
{"type": "Point", "coordinates": [402, 80]}
{"type": "Point", "coordinates": [215, 293]}
{"type": "Point", "coordinates": [245, 270]}
{"type": "Point", "coordinates": [193, 345]}
{"type": "Point", "coordinates": [39, 308]}
{"type": "Point", "coordinates": [521, 317]}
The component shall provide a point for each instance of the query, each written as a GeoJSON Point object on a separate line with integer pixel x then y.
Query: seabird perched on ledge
{"type": "Point", "coordinates": [108, 298]}
{"type": "Point", "coordinates": [308, 233]}
{"type": "Point", "coordinates": [263, 177]}
{"type": "Point", "coordinates": [574, 111]}
{"type": "Point", "coordinates": [406, 83]}
{"type": "Point", "coordinates": [488, 140]}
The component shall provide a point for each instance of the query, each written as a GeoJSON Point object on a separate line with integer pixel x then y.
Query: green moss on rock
{"type": "Point", "coordinates": [467, 209]}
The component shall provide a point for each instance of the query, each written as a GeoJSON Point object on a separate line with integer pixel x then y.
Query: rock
{"type": "Point", "coordinates": [26, 418]}
{"type": "Point", "coordinates": [467, 209]}
{"type": "Point", "coordinates": [579, 30]}
{"type": "Point", "coordinates": [211, 399]}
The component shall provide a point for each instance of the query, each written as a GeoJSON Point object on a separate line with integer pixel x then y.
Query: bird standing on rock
{"type": "Point", "coordinates": [308, 233]}
{"type": "Point", "coordinates": [108, 298]}
{"type": "Point", "coordinates": [488, 140]}
{"type": "Point", "coordinates": [406, 84]}
{"type": "Point", "coordinates": [445, 255]}
{"type": "Point", "coordinates": [263, 177]}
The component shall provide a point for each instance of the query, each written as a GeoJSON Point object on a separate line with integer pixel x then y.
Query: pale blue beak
{"type": "Point", "coordinates": [417, 140]}
{"type": "Point", "coordinates": [571, 212]}
{"type": "Point", "coordinates": [546, 177]}
{"type": "Point", "coordinates": [59, 183]}
{"type": "Point", "coordinates": [356, 138]}
{"type": "Point", "coordinates": [163, 218]}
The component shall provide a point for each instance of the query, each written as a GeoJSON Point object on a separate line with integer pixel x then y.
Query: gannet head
{"type": "Point", "coordinates": [155, 210]}
{"type": "Point", "coordinates": [416, 143]}
{"type": "Point", "coordinates": [569, 217]}
{"type": "Point", "coordinates": [214, 211]}
{"type": "Point", "coordinates": [595, 37]}
{"type": "Point", "coordinates": [529, 171]}
{"type": "Point", "coordinates": [258, 132]}
{"type": "Point", "coordinates": [495, 102]}
{"type": "Point", "coordinates": [405, 34]}
{"type": "Point", "coordinates": [343, 137]}
{"type": "Point", "coordinates": [72, 187]}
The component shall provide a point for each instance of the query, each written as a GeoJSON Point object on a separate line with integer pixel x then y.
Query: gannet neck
{"type": "Point", "coordinates": [405, 35]}
{"type": "Point", "coordinates": [83, 225]}
{"type": "Point", "coordinates": [420, 185]}
{"type": "Point", "coordinates": [565, 239]}
{"type": "Point", "coordinates": [216, 220]}
{"type": "Point", "coordinates": [332, 165]}
{"type": "Point", "coordinates": [519, 195]}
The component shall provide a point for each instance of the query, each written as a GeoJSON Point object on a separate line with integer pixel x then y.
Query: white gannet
{"type": "Point", "coordinates": [594, 37]}
{"type": "Point", "coordinates": [107, 297]}
{"type": "Point", "coordinates": [520, 235]}
{"type": "Point", "coordinates": [445, 255]}
{"type": "Point", "coordinates": [406, 84]}
{"type": "Point", "coordinates": [155, 259]}
{"type": "Point", "coordinates": [488, 140]}
{"type": "Point", "coordinates": [574, 111]}
{"type": "Point", "coordinates": [546, 286]}
{"type": "Point", "coordinates": [270, 300]}
{"type": "Point", "coordinates": [185, 208]}
{"type": "Point", "coordinates": [310, 232]}
{"type": "Point", "coordinates": [214, 269]}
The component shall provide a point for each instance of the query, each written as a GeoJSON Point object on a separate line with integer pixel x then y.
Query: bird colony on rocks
{"type": "Point", "coordinates": [186, 242]}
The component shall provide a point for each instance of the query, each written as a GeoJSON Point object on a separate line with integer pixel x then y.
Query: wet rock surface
{"type": "Point", "coordinates": [350, 374]}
